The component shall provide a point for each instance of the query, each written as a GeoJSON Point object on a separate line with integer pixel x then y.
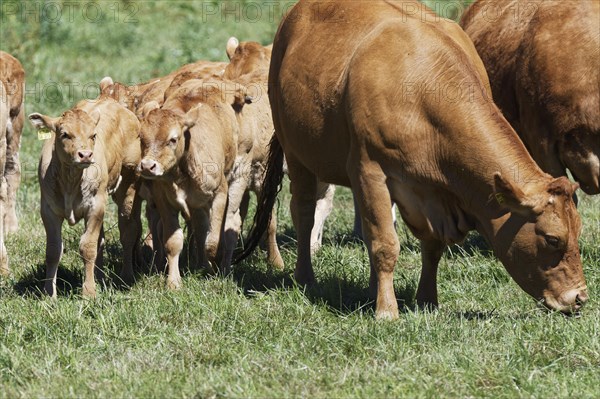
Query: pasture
{"type": "Point", "coordinates": [255, 333]}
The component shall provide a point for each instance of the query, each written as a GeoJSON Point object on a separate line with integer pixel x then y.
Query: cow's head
{"type": "Point", "coordinates": [74, 135]}
{"type": "Point", "coordinates": [164, 134]}
{"type": "Point", "coordinates": [245, 58]}
{"type": "Point", "coordinates": [118, 92]}
{"type": "Point", "coordinates": [537, 241]}
{"type": "Point", "coordinates": [580, 152]}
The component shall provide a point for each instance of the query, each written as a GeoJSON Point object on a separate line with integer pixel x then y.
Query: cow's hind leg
{"type": "Point", "coordinates": [373, 199]}
{"type": "Point", "coordinates": [431, 253]}
{"type": "Point", "coordinates": [54, 247]}
{"type": "Point", "coordinates": [303, 185]}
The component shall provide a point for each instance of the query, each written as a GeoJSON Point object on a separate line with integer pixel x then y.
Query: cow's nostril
{"type": "Point", "coordinates": [581, 298]}
{"type": "Point", "coordinates": [85, 154]}
{"type": "Point", "coordinates": [153, 166]}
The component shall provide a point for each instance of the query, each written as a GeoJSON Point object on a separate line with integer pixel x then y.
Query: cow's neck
{"type": "Point", "coordinates": [71, 185]}
{"type": "Point", "coordinates": [497, 149]}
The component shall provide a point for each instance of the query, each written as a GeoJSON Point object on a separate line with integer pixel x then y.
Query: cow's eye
{"type": "Point", "coordinates": [93, 137]}
{"type": "Point", "coordinates": [552, 241]}
{"type": "Point", "coordinates": [65, 136]}
{"type": "Point", "coordinates": [173, 140]}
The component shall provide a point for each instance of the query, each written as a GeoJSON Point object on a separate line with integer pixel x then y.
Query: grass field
{"type": "Point", "coordinates": [254, 333]}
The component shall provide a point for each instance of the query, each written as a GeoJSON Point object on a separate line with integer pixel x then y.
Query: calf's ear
{"type": "Point", "coordinates": [40, 121]}
{"type": "Point", "coordinates": [106, 85]}
{"type": "Point", "coordinates": [189, 119]}
{"type": "Point", "coordinates": [232, 44]}
{"type": "Point", "coordinates": [147, 108]}
{"type": "Point", "coordinates": [511, 197]}
{"type": "Point", "coordinates": [241, 98]}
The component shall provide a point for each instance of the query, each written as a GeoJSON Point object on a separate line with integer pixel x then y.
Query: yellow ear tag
{"type": "Point", "coordinates": [499, 198]}
{"type": "Point", "coordinates": [44, 133]}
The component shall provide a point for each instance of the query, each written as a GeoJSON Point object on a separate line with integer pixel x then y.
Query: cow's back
{"type": "Point", "coordinates": [367, 42]}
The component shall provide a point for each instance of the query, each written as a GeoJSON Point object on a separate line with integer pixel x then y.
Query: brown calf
{"type": "Point", "coordinates": [189, 148]}
{"type": "Point", "coordinates": [93, 152]}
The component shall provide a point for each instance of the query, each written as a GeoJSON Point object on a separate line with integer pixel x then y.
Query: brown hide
{"type": "Point", "coordinates": [543, 59]}
{"type": "Point", "coordinates": [397, 107]}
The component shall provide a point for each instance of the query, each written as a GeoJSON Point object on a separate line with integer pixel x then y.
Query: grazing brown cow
{"type": "Point", "coordinates": [12, 75]}
{"type": "Point", "coordinates": [362, 99]}
{"type": "Point", "coordinates": [93, 152]}
{"type": "Point", "coordinates": [134, 97]}
{"type": "Point", "coordinates": [189, 149]}
{"type": "Point", "coordinates": [543, 59]}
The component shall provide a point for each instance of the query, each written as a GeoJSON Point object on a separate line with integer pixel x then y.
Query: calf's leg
{"type": "Point", "coordinates": [54, 247]}
{"type": "Point", "coordinates": [323, 208]}
{"type": "Point", "coordinates": [88, 247]}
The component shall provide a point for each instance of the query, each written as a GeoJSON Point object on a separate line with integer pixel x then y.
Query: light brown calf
{"type": "Point", "coordinates": [189, 148]}
{"type": "Point", "coordinates": [93, 152]}
{"type": "Point", "coordinates": [136, 96]}
{"type": "Point", "coordinates": [12, 75]}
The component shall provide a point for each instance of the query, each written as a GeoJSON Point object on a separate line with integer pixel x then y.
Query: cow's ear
{"type": "Point", "coordinates": [147, 108]}
{"type": "Point", "coordinates": [510, 196]}
{"type": "Point", "coordinates": [189, 119]}
{"type": "Point", "coordinates": [232, 45]}
{"type": "Point", "coordinates": [41, 122]}
{"type": "Point", "coordinates": [106, 86]}
{"type": "Point", "coordinates": [95, 115]}
{"type": "Point", "coordinates": [240, 98]}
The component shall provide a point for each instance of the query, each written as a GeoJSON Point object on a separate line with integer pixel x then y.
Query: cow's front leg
{"type": "Point", "coordinates": [431, 253]}
{"type": "Point", "coordinates": [88, 247]}
{"type": "Point", "coordinates": [173, 244]}
{"type": "Point", "coordinates": [54, 247]}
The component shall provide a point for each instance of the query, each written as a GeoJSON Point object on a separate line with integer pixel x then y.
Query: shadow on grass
{"type": "Point", "coordinates": [336, 293]}
{"type": "Point", "coordinates": [32, 283]}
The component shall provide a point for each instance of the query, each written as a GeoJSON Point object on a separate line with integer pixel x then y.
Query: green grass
{"type": "Point", "coordinates": [256, 334]}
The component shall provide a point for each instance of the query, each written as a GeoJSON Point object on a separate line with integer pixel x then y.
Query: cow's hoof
{"type": "Point", "coordinates": [387, 314]}
{"type": "Point", "coordinates": [174, 284]}
{"type": "Point", "coordinates": [304, 278]}
{"type": "Point", "coordinates": [11, 223]}
{"type": "Point", "coordinates": [88, 292]}
{"type": "Point", "coordinates": [277, 263]}
{"type": "Point", "coordinates": [127, 278]}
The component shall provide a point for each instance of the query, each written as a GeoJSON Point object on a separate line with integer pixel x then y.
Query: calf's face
{"type": "Point", "coordinates": [74, 135]}
{"type": "Point", "coordinates": [163, 135]}
{"type": "Point", "coordinates": [537, 242]}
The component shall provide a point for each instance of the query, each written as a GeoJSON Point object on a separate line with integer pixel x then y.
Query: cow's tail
{"type": "Point", "coordinates": [270, 189]}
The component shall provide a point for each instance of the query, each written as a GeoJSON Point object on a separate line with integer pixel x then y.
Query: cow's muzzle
{"type": "Point", "coordinates": [150, 169]}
